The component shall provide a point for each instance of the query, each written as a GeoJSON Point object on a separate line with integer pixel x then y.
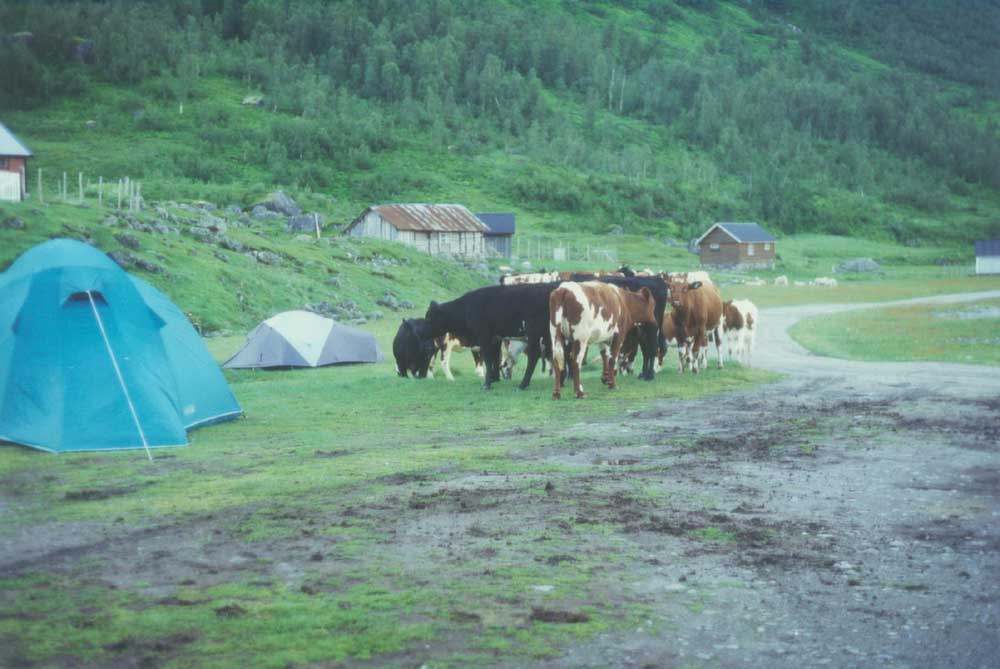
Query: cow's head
{"type": "Point", "coordinates": [642, 306]}
{"type": "Point", "coordinates": [678, 290]}
{"type": "Point", "coordinates": [435, 321]}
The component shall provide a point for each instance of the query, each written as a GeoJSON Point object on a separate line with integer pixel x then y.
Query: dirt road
{"type": "Point", "coordinates": [862, 503]}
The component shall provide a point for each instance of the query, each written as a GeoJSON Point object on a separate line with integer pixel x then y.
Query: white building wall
{"type": "Point", "coordinates": [988, 265]}
{"type": "Point", "coordinates": [459, 244]}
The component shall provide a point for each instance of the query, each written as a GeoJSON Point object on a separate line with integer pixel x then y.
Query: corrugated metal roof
{"type": "Point", "coordinates": [742, 232]}
{"type": "Point", "coordinates": [987, 247]}
{"type": "Point", "coordinates": [10, 145]}
{"type": "Point", "coordinates": [498, 224]}
{"type": "Point", "coordinates": [430, 217]}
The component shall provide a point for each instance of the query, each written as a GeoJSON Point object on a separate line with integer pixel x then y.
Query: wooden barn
{"type": "Point", "coordinates": [13, 166]}
{"type": "Point", "coordinates": [437, 229]}
{"type": "Point", "coordinates": [988, 256]}
{"type": "Point", "coordinates": [500, 234]}
{"type": "Point", "coordinates": [737, 246]}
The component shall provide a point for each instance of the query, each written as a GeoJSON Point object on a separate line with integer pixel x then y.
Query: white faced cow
{"type": "Point", "coordinates": [697, 313]}
{"type": "Point", "coordinates": [593, 312]}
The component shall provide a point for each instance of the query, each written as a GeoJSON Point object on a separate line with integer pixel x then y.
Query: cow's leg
{"type": "Point", "coordinates": [534, 348]}
{"type": "Point", "coordinates": [486, 345]}
{"type": "Point", "coordinates": [558, 362]}
{"type": "Point", "coordinates": [577, 354]}
{"type": "Point", "coordinates": [604, 364]}
{"type": "Point", "coordinates": [718, 345]}
{"type": "Point", "coordinates": [616, 347]}
{"type": "Point", "coordinates": [647, 342]}
{"type": "Point", "coordinates": [446, 360]}
{"type": "Point", "coordinates": [477, 358]}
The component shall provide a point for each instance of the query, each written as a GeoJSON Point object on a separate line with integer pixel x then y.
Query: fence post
{"type": "Point", "coordinates": [100, 191]}
{"type": "Point", "coordinates": [64, 187]}
{"type": "Point", "coordinates": [316, 224]}
{"type": "Point", "coordinates": [80, 181]}
{"type": "Point", "coordinates": [41, 197]}
{"type": "Point", "coordinates": [119, 193]}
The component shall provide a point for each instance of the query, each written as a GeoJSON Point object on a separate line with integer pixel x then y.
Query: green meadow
{"type": "Point", "coordinates": [967, 333]}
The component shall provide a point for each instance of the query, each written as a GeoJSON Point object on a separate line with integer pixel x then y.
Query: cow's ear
{"type": "Point", "coordinates": [694, 285]}
{"type": "Point", "coordinates": [433, 305]}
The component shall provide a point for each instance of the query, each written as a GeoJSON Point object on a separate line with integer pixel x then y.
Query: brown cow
{"type": "Point", "coordinates": [697, 311]}
{"type": "Point", "coordinates": [593, 312]}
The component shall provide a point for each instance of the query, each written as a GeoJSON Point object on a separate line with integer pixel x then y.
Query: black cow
{"type": "Point", "coordinates": [486, 315]}
{"type": "Point", "coordinates": [412, 349]}
{"type": "Point", "coordinates": [652, 335]}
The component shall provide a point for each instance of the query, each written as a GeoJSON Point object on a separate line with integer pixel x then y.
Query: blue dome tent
{"type": "Point", "coordinates": [92, 358]}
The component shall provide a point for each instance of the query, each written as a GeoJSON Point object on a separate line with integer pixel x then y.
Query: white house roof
{"type": "Point", "coordinates": [10, 145]}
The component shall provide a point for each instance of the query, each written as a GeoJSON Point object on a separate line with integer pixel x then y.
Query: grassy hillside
{"type": "Point", "coordinates": [581, 117]}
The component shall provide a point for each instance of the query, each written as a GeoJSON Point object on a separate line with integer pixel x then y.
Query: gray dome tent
{"type": "Point", "coordinates": [304, 339]}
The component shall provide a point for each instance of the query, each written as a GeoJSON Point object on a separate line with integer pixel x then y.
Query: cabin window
{"type": "Point", "coordinates": [3, 163]}
{"type": "Point", "coordinates": [767, 247]}
{"type": "Point", "coordinates": [713, 247]}
{"type": "Point", "coordinates": [749, 249]}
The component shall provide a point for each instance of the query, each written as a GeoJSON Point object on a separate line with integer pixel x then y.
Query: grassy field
{"type": "Point", "coordinates": [286, 516]}
{"type": "Point", "coordinates": [967, 333]}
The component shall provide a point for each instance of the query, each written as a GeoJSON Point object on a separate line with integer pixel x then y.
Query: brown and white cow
{"type": "Point", "coordinates": [448, 344]}
{"type": "Point", "coordinates": [732, 326]}
{"type": "Point", "coordinates": [593, 312]}
{"type": "Point", "coordinates": [697, 309]}
{"type": "Point", "coordinates": [747, 333]}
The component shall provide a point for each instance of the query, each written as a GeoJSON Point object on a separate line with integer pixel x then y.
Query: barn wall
{"type": "Point", "coordinates": [760, 255]}
{"type": "Point", "coordinates": [499, 245]}
{"type": "Point", "coordinates": [988, 265]}
{"type": "Point", "coordinates": [727, 254]}
{"type": "Point", "coordinates": [459, 244]}
{"type": "Point", "coordinates": [18, 166]}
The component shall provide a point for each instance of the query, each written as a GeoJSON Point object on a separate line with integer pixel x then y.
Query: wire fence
{"type": "Point", "coordinates": [122, 193]}
{"type": "Point", "coordinates": [543, 249]}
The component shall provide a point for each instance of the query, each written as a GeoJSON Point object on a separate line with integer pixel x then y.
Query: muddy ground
{"type": "Point", "coordinates": [846, 516]}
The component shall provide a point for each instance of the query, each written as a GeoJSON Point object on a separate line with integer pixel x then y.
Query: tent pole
{"type": "Point", "coordinates": [118, 372]}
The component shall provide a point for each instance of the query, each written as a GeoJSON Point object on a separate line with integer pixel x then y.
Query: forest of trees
{"type": "Point", "coordinates": [783, 111]}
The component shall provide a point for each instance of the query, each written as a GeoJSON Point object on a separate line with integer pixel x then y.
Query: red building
{"type": "Point", "coordinates": [13, 166]}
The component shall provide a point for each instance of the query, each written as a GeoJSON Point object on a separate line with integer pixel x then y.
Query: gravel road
{"type": "Point", "coordinates": [885, 532]}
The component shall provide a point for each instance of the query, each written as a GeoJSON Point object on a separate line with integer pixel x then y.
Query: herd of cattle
{"type": "Point", "coordinates": [556, 316]}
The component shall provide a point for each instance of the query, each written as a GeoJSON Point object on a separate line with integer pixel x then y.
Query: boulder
{"type": "Point", "coordinates": [149, 266]}
{"type": "Point", "coordinates": [859, 265]}
{"type": "Point", "coordinates": [304, 223]}
{"type": "Point", "coordinates": [280, 203]}
{"type": "Point", "coordinates": [125, 259]}
{"type": "Point", "coordinates": [825, 281]}
{"type": "Point", "coordinates": [781, 281]}
{"type": "Point", "coordinates": [13, 223]}
{"type": "Point", "coordinates": [389, 301]}
{"type": "Point", "coordinates": [333, 282]}
{"type": "Point", "coordinates": [234, 209]}
{"type": "Point", "coordinates": [230, 244]}
{"type": "Point", "coordinates": [128, 240]}
{"type": "Point", "coordinates": [266, 257]}
{"type": "Point", "coordinates": [213, 223]}
{"type": "Point", "coordinates": [200, 233]}
{"type": "Point", "coordinates": [262, 213]}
